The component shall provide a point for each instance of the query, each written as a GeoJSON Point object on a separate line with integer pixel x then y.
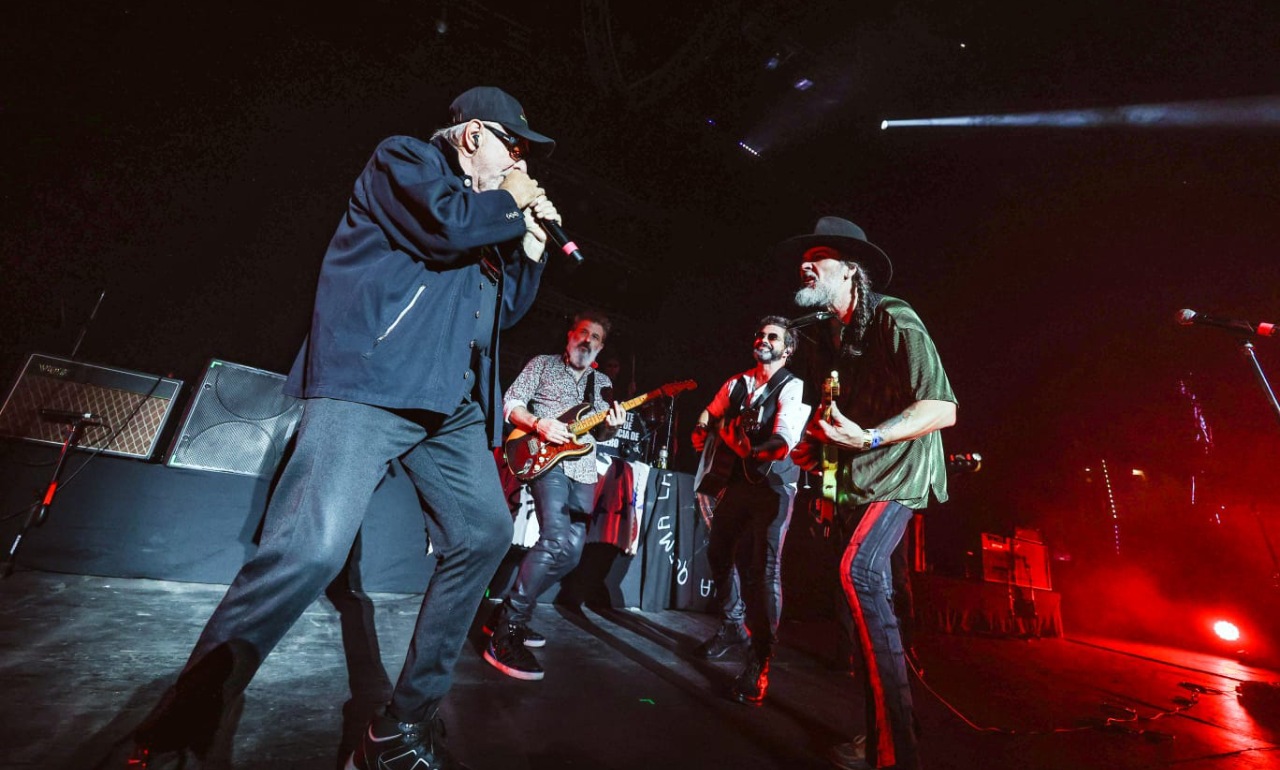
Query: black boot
{"type": "Point", "coordinates": [731, 636]}
{"type": "Point", "coordinates": [751, 684]}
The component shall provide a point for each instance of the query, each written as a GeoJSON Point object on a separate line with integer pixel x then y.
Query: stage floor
{"type": "Point", "coordinates": [82, 659]}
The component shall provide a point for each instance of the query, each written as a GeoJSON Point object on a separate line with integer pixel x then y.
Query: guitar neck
{"type": "Point", "coordinates": [580, 427]}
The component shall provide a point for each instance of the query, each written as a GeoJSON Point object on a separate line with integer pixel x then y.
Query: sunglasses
{"type": "Point", "coordinates": [517, 147]}
{"type": "Point", "coordinates": [771, 336]}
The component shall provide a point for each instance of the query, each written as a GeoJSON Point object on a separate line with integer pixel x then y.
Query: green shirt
{"type": "Point", "coordinates": [899, 366]}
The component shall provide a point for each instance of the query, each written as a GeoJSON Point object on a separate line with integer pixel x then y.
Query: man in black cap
{"type": "Point", "coordinates": [438, 250]}
{"type": "Point", "coordinates": [894, 398]}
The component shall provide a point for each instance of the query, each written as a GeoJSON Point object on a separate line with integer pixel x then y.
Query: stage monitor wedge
{"type": "Point", "coordinates": [130, 407]}
{"type": "Point", "coordinates": [239, 421]}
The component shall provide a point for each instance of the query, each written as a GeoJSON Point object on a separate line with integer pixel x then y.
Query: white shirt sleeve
{"type": "Point", "coordinates": [720, 404]}
{"type": "Point", "coordinates": [793, 413]}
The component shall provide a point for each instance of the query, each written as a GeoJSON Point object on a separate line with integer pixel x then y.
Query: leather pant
{"type": "Point", "coordinates": [562, 506]}
{"type": "Point", "coordinates": [748, 531]}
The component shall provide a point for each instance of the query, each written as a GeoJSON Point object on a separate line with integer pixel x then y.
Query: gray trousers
{"type": "Point", "coordinates": [343, 451]}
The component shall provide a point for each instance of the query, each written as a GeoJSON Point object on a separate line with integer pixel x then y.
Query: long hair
{"type": "Point", "coordinates": [866, 305]}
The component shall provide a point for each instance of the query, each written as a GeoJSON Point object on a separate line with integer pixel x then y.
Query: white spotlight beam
{"type": "Point", "coordinates": [1260, 112]}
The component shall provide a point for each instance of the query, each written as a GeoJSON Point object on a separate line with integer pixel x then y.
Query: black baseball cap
{"type": "Point", "coordinates": [498, 106]}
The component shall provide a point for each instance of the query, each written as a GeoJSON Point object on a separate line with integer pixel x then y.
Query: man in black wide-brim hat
{"type": "Point", "coordinates": [894, 397]}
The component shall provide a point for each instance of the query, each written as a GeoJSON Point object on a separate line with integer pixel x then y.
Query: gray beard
{"type": "Point", "coordinates": [819, 295]}
{"type": "Point", "coordinates": [581, 359]}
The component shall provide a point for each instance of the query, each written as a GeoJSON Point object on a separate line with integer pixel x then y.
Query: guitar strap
{"type": "Point", "coordinates": [589, 392]}
{"type": "Point", "coordinates": [739, 395]}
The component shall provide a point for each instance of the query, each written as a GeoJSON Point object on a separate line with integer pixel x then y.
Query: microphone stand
{"type": "Point", "coordinates": [1246, 347]}
{"type": "Point", "coordinates": [85, 326]}
{"type": "Point", "coordinates": [664, 451]}
{"type": "Point", "coordinates": [39, 511]}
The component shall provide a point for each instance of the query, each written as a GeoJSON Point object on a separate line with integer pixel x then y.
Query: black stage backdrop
{"type": "Point", "coordinates": [125, 518]}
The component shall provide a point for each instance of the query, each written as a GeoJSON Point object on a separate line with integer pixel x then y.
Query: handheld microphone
{"type": "Point", "coordinates": [69, 417]}
{"type": "Point", "coordinates": [561, 240]}
{"type": "Point", "coordinates": [1188, 317]}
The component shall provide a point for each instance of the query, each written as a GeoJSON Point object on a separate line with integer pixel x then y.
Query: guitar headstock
{"type": "Point", "coordinates": [676, 388]}
{"type": "Point", "coordinates": [831, 387]}
{"type": "Point", "coordinates": [967, 462]}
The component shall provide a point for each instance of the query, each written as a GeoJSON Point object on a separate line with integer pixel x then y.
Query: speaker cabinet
{"type": "Point", "coordinates": [131, 407]}
{"type": "Point", "coordinates": [1015, 560]}
{"type": "Point", "coordinates": [239, 421]}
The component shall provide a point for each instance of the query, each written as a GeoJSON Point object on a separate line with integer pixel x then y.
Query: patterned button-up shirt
{"type": "Point", "coordinates": [548, 387]}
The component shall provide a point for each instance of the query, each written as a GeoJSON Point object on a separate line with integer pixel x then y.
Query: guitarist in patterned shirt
{"type": "Point", "coordinates": [759, 416]}
{"type": "Point", "coordinates": [539, 401]}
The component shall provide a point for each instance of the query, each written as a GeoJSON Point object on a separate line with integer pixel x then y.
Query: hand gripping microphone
{"type": "Point", "coordinates": [561, 240]}
{"type": "Point", "coordinates": [1189, 317]}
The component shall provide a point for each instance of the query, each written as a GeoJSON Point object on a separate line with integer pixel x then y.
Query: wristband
{"type": "Point", "coordinates": [873, 439]}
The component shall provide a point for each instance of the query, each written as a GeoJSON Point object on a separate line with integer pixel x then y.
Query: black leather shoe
{"type": "Point", "coordinates": [751, 684]}
{"type": "Point", "coordinates": [729, 637]}
{"type": "Point", "coordinates": [389, 744]}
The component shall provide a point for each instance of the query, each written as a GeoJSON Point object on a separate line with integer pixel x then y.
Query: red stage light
{"type": "Point", "coordinates": [1226, 630]}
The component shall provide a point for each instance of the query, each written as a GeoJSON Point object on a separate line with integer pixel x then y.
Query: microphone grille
{"type": "Point", "coordinates": [1186, 317]}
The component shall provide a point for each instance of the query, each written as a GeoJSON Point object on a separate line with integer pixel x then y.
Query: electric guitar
{"type": "Point", "coordinates": [528, 456]}
{"type": "Point", "coordinates": [824, 505]}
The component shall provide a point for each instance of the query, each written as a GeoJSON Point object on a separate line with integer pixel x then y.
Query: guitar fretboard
{"type": "Point", "coordinates": [580, 427]}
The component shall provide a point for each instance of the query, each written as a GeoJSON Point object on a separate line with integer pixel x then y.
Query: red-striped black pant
{"type": "Point", "coordinates": [868, 587]}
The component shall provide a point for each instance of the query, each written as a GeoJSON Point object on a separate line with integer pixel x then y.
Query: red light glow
{"type": "Point", "coordinates": [1226, 631]}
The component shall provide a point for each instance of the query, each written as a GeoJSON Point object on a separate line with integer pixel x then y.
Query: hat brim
{"type": "Point", "coordinates": [863, 252]}
{"type": "Point", "coordinates": [541, 145]}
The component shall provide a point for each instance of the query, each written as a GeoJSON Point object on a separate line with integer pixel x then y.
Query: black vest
{"type": "Point", "coordinates": [778, 472]}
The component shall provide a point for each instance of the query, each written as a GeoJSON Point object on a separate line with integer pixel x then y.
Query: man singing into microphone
{"type": "Point", "coordinates": [438, 250]}
{"type": "Point", "coordinates": [894, 399]}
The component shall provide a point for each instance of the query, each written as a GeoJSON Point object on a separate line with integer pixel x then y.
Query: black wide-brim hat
{"type": "Point", "coordinates": [497, 106]}
{"type": "Point", "coordinates": [846, 238]}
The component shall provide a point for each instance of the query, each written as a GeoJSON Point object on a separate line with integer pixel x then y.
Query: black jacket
{"type": "Point", "coordinates": [399, 294]}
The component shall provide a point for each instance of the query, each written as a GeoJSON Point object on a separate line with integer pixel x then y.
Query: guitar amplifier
{"type": "Point", "coordinates": [132, 407]}
{"type": "Point", "coordinates": [1014, 560]}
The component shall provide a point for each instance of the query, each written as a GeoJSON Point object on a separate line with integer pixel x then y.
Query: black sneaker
{"type": "Point", "coordinates": [392, 745]}
{"type": "Point", "coordinates": [507, 653]}
{"type": "Point", "coordinates": [730, 637]}
{"type": "Point", "coordinates": [499, 619]}
{"type": "Point", "coordinates": [531, 638]}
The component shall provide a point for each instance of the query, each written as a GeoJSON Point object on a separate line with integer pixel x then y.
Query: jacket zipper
{"type": "Point", "coordinates": [403, 313]}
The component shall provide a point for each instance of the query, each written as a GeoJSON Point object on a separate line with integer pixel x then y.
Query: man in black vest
{"type": "Point", "coordinates": [759, 417]}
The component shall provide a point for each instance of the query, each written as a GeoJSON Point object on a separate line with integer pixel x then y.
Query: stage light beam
{"type": "Point", "coordinates": [1260, 112]}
